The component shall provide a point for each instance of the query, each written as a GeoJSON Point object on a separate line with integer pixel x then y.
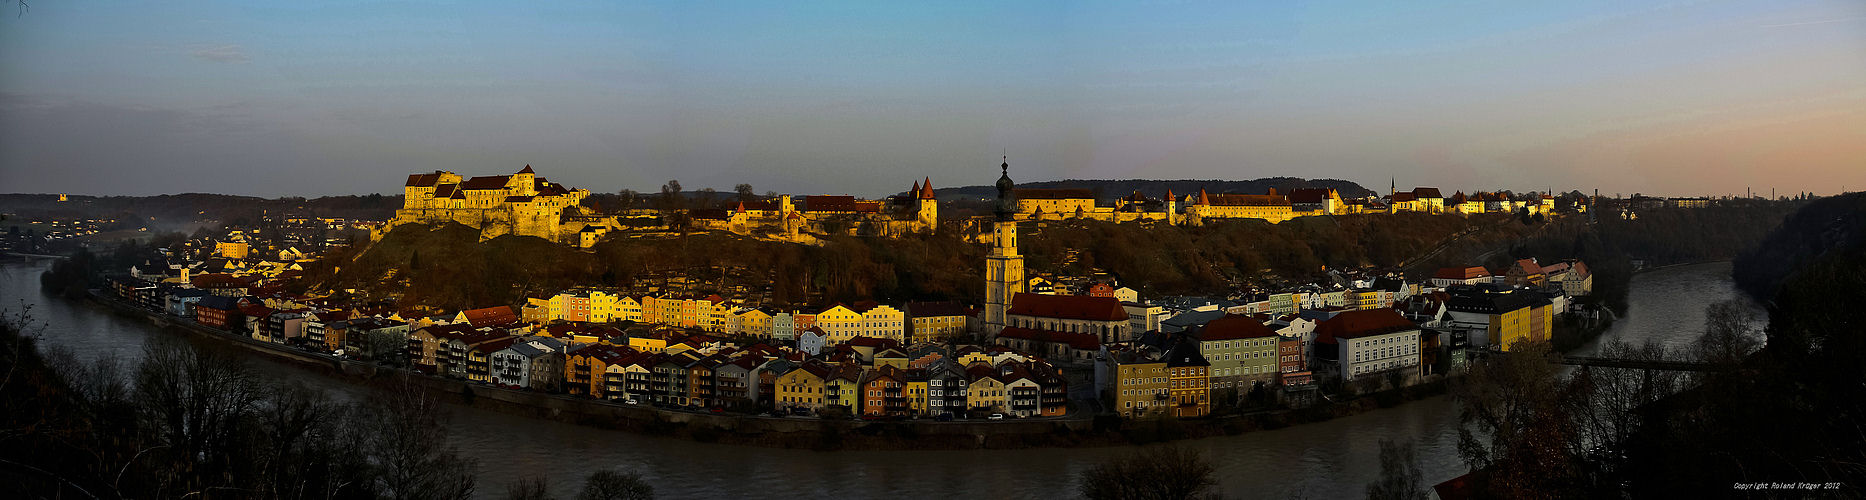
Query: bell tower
{"type": "Point", "coordinates": [1004, 267]}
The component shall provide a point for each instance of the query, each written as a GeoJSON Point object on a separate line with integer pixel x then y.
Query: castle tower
{"type": "Point", "coordinates": [1172, 212]}
{"type": "Point", "coordinates": [1004, 268]}
{"type": "Point", "coordinates": [524, 183]}
{"type": "Point", "coordinates": [926, 206]}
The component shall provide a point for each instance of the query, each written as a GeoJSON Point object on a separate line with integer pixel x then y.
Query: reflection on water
{"type": "Point", "coordinates": [1334, 459]}
{"type": "Point", "coordinates": [1668, 305]}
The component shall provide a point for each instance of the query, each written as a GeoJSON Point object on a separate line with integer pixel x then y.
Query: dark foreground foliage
{"type": "Point", "coordinates": [190, 423]}
{"type": "Point", "coordinates": [1787, 405]}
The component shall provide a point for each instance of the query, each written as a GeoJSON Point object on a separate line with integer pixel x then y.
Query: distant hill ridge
{"type": "Point", "coordinates": [1108, 189]}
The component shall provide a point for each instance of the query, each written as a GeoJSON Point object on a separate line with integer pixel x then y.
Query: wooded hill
{"type": "Point", "coordinates": [1106, 189]}
{"type": "Point", "coordinates": [172, 211]}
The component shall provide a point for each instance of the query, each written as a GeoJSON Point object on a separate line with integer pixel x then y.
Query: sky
{"type": "Point", "coordinates": [309, 98]}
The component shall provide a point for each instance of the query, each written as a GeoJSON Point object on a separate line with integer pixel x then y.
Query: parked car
{"type": "Point", "coordinates": [996, 416]}
{"type": "Point", "coordinates": [944, 417]}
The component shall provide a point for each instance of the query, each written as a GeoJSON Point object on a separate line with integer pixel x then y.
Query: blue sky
{"type": "Point", "coordinates": [312, 98]}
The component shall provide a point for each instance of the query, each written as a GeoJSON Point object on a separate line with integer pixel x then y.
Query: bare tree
{"type": "Point", "coordinates": [1728, 332]}
{"type": "Point", "coordinates": [1152, 474]}
{"type": "Point", "coordinates": [613, 485]}
{"type": "Point", "coordinates": [671, 198]}
{"type": "Point", "coordinates": [193, 402]}
{"type": "Point", "coordinates": [1514, 423]}
{"type": "Point", "coordinates": [1610, 398]}
{"type": "Point", "coordinates": [1400, 477]}
{"type": "Point", "coordinates": [529, 488]}
{"type": "Point", "coordinates": [411, 448]}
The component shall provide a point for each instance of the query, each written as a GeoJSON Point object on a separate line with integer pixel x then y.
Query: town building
{"type": "Point", "coordinates": [1189, 380]}
{"type": "Point", "coordinates": [1490, 316]}
{"type": "Point", "coordinates": [1102, 317]}
{"type": "Point", "coordinates": [1241, 352]}
{"type": "Point", "coordinates": [1368, 343]}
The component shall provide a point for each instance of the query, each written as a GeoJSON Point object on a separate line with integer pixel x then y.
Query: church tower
{"type": "Point", "coordinates": [1004, 268]}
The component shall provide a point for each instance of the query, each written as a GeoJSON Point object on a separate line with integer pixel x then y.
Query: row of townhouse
{"type": "Point", "coordinates": [865, 371]}
{"type": "Point", "coordinates": [882, 382]}
{"type": "Point", "coordinates": [916, 322]}
{"type": "Point", "coordinates": [1182, 374]}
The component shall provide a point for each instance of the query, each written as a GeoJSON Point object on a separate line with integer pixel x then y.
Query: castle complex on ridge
{"type": "Point", "coordinates": [527, 205]}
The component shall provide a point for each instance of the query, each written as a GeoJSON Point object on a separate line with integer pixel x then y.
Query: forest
{"type": "Point", "coordinates": [1781, 405]}
{"type": "Point", "coordinates": [447, 267]}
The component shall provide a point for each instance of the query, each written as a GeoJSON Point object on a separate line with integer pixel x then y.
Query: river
{"type": "Point", "coordinates": [1333, 459]}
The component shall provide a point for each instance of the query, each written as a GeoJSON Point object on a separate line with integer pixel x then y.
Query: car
{"type": "Point", "coordinates": [631, 401]}
{"type": "Point", "coordinates": [717, 409]}
{"type": "Point", "coordinates": [996, 416]}
{"type": "Point", "coordinates": [944, 417]}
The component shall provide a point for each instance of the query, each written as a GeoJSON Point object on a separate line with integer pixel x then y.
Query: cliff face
{"type": "Point", "coordinates": [1824, 229]}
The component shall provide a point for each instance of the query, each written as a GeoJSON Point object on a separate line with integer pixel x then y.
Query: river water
{"type": "Point", "coordinates": [1333, 459]}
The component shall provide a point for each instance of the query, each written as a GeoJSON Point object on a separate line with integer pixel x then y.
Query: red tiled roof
{"type": "Point", "coordinates": [1079, 341]}
{"type": "Point", "coordinates": [1054, 194]}
{"type": "Point", "coordinates": [1310, 195]}
{"type": "Point", "coordinates": [878, 343]}
{"type": "Point", "coordinates": [494, 346]}
{"type": "Point", "coordinates": [423, 180]}
{"type": "Point", "coordinates": [1243, 200]}
{"type": "Point", "coordinates": [486, 182]}
{"type": "Point", "coordinates": [497, 315]}
{"type": "Point", "coordinates": [1068, 307]}
{"type": "Point", "coordinates": [527, 170]}
{"type": "Point", "coordinates": [926, 190]}
{"type": "Point", "coordinates": [1424, 192]}
{"type": "Point", "coordinates": [1234, 326]}
{"type": "Point", "coordinates": [1355, 324]}
{"type": "Point", "coordinates": [1465, 273]}
{"type": "Point", "coordinates": [1529, 266]}
{"type": "Point", "coordinates": [824, 203]}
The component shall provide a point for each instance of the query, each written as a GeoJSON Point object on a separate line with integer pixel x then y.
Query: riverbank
{"type": "Point", "coordinates": [784, 432]}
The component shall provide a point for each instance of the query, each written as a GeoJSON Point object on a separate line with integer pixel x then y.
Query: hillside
{"type": "Point", "coordinates": [1110, 189]}
{"type": "Point", "coordinates": [447, 267]}
{"type": "Point", "coordinates": [175, 211]}
{"type": "Point", "coordinates": [1795, 409]}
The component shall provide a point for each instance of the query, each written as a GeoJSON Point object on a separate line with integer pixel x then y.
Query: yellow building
{"type": "Point", "coordinates": [1271, 207]}
{"type": "Point", "coordinates": [802, 387]}
{"type": "Point", "coordinates": [708, 313]}
{"type": "Point", "coordinates": [917, 394]}
{"type": "Point", "coordinates": [842, 323]}
{"type": "Point", "coordinates": [1140, 383]}
{"type": "Point", "coordinates": [986, 391]}
{"type": "Point", "coordinates": [521, 203]}
{"type": "Point", "coordinates": [1507, 318]}
{"type": "Point", "coordinates": [843, 387]}
{"type": "Point", "coordinates": [750, 322]}
{"type": "Point", "coordinates": [1054, 204]}
{"type": "Point", "coordinates": [1189, 380]}
{"type": "Point", "coordinates": [648, 344]}
{"type": "Point", "coordinates": [232, 249]}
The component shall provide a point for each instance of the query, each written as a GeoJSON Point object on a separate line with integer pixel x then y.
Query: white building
{"type": "Point", "coordinates": [1370, 342]}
